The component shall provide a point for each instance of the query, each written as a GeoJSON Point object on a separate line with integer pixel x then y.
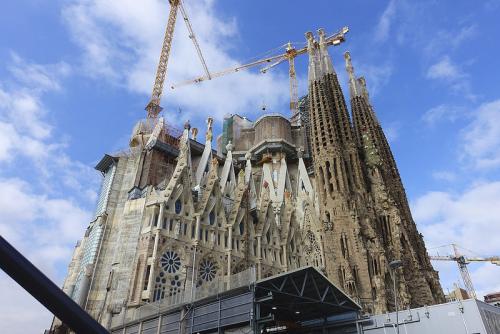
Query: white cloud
{"type": "Point", "coordinates": [385, 21]}
{"type": "Point", "coordinates": [444, 176]}
{"type": "Point", "coordinates": [45, 230]}
{"type": "Point", "coordinates": [469, 219]}
{"type": "Point", "coordinates": [21, 313]}
{"type": "Point", "coordinates": [451, 74]}
{"type": "Point", "coordinates": [39, 216]}
{"type": "Point", "coordinates": [443, 112]}
{"type": "Point", "coordinates": [444, 69]}
{"type": "Point", "coordinates": [121, 42]}
{"type": "Point", "coordinates": [481, 139]}
{"type": "Point", "coordinates": [41, 77]}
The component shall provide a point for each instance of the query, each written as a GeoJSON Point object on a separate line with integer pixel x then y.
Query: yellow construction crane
{"type": "Point", "coordinates": [289, 55]}
{"type": "Point", "coordinates": [153, 108]}
{"type": "Point", "coordinates": [462, 262]}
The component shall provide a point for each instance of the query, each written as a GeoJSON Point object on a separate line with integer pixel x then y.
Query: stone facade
{"type": "Point", "coordinates": [175, 214]}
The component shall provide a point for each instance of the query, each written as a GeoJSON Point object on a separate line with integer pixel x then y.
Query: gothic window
{"type": "Point", "coordinates": [170, 262]}
{"type": "Point", "coordinates": [211, 217]}
{"type": "Point", "coordinates": [242, 228]}
{"type": "Point", "coordinates": [178, 206]}
{"type": "Point", "coordinates": [208, 270]}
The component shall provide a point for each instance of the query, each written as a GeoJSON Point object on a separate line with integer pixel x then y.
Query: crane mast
{"type": "Point", "coordinates": [153, 107]}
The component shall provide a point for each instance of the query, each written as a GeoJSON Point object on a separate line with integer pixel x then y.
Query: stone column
{"type": "Point", "coordinates": [154, 258]}
{"type": "Point", "coordinates": [259, 257]}
{"type": "Point", "coordinates": [198, 223]}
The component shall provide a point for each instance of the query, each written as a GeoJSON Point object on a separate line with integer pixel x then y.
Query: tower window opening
{"type": "Point", "coordinates": [146, 278]}
{"type": "Point", "coordinates": [178, 206]}
{"type": "Point", "coordinates": [211, 217]}
{"type": "Point", "coordinates": [335, 173]}
{"type": "Point", "coordinates": [329, 175]}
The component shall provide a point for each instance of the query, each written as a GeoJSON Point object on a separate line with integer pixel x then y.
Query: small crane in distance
{"type": "Point", "coordinates": [462, 262]}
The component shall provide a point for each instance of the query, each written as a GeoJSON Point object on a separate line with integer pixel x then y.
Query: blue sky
{"type": "Point", "coordinates": [75, 76]}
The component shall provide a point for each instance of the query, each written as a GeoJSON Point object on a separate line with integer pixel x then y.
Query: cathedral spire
{"type": "Point", "coordinates": [326, 61]}
{"type": "Point", "coordinates": [354, 88]}
{"type": "Point", "coordinates": [312, 50]}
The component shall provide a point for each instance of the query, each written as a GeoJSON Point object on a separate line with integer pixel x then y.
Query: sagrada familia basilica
{"type": "Point", "coordinates": [177, 215]}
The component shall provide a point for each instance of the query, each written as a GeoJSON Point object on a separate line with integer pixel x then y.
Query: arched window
{"type": "Point", "coordinates": [211, 217]}
{"type": "Point", "coordinates": [242, 228]}
{"type": "Point", "coordinates": [178, 206]}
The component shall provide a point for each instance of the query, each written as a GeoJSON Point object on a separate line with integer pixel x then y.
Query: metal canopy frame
{"type": "Point", "coordinates": [298, 296]}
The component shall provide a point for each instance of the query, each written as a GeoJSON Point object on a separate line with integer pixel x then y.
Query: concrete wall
{"type": "Point", "coordinates": [465, 317]}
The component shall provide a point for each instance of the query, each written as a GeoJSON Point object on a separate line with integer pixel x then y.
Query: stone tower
{"type": "Point", "coordinates": [178, 220]}
{"type": "Point", "coordinates": [362, 202]}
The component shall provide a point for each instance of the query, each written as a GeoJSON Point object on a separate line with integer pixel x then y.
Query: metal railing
{"type": "Point", "coordinates": [215, 287]}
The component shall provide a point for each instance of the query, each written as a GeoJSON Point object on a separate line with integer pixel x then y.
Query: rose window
{"type": "Point", "coordinates": [208, 270]}
{"type": "Point", "coordinates": [170, 262]}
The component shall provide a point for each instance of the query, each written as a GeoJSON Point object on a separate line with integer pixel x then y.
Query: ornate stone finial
{"type": "Point", "coordinates": [248, 156]}
{"type": "Point", "coordinates": [210, 121]}
{"type": "Point", "coordinates": [348, 64]}
{"type": "Point", "coordinates": [364, 91]}
{"type": "Point", "coordinates": [229, 146]}
{"type": "Point", "coordinates": [187, 125]}
{"type": "Point", "coordinates": [300, 152]}
{"type": "Point", "coordinates": [312, 51]}
{"type": "Point", "coordinates": [325, 62]}
{"type": "Point", "coordinates": [310, 43]}
{"type": "Point", "coordinates": [194, 133]}
{"type": "Point", "coordinates": [354, 88]}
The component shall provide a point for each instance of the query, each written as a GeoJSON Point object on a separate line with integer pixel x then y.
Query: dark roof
{"type": "Point", "coordinates": [301, 295]}
{"type": "Point", "coordinates": [106, 161]}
